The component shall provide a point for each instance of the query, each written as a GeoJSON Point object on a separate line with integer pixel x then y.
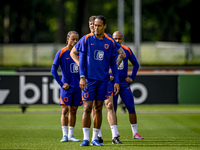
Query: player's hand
{"type": "Point", "coordinates": [111, 78]}
{"type": "Point", "coordinates": [65, 86]}
{"type": "Point", "coordinates": [83, 84]}
{"type": "Point", "coordinates": [110, 71]}
{"type": "Point", "coordinates": [116, 88]}
{"type": "Point", "coordinates": [128, 80]}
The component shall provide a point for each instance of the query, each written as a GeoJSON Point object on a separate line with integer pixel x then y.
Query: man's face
{"type": "Point", "coordinates": [91, 26]}
{"type": "Point", "coordinates": [118, 38]}
{"type": "Point", "coordinates": [99, 27]}
{"type": "Point", "coordinates": [73, 39]}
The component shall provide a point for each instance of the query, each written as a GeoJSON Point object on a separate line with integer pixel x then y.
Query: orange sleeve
{"type": "Point", "coordinates": [127, 48]}
{"type": "Point", "coordinates": [88, 35]}
{"type": "Point", "coordinates": [62, 51]}
{"type": "Point", "coordinates": [109, 38]}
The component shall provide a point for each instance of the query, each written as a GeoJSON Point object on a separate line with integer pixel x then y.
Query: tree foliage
{"type": "Point", "coordinates": [48, 21]}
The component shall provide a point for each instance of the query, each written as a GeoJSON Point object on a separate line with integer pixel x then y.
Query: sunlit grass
{"type": "Point", "coordinates": [42, 130]}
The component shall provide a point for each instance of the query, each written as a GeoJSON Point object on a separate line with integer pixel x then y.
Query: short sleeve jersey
{"type": "Point", "coordinates": [123, 67]}
{"type": "Point", "coordinates": [98, 55]}
{"type": "Point", "coordinates": [69, 69]}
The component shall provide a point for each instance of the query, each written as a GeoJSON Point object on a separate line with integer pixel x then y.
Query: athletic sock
{"type": "Point", "coordinates": [86, 132]}
{"type": "Point", "coordinates": [64, 130]}
{"type": "Point", "coordinates": [100, 134]}
{"type": "Point", "coordinates": [114, 131]}
{"type": "Point", "coordinates": [134, 128]}
{"type": "Point", "coordinates": [117, 130]}
{"type": "Point", "coordinates": [71, 131]}
{"type": "Point", "coordinates": [95, 133]}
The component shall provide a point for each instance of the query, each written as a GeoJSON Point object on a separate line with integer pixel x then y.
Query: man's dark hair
{"type": "Point", "coordinates": [101, 18]}
{"type": "Point", "coordinates": [70, 32]}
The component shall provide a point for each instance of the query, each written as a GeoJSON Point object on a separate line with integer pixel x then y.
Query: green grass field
{"type": "Point", "coordinates": [164, 127]}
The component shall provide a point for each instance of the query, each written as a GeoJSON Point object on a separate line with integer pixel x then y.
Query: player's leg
{"type": "Point", "coordinates": [64, 113]}
{"type": "Point", "coordinates": [115, 98]}
{"type": "Point", "coordinates": [100, 96]}
{"type": "Point", "coordinates": [112, 104]}
{"type": "Point", "coordinates": [112, 120]}
{"type": "Point", "coordinates": [64, 122]}
{"type": "Point", "coordinates": [87, 108]}
{"type": "Point", "coordinates": [93, 110]}
{"type": "Point", "coordinates": [71, 123]}
{"type": "Point", "coordinates": [88, 98]}
{"type": "Point", "coordinates": [128, 99]}
{"type": "Point", "coordinates": [75, 102]}
{"type": "Point", "coordinates": [86, 121]}
{"type": "Point", "coordinates": [97, 120]}
{"type": "Point", "coordinates": [100, 137]}
{"type": "Point", "coordinates": [111, 116]}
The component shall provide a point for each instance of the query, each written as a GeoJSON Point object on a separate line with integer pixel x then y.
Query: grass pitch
{"type": "Point", "coordinates": [173, 127]}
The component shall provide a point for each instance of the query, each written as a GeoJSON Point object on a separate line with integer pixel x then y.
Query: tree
{"type": "Point", "coordinates": [48, 21]}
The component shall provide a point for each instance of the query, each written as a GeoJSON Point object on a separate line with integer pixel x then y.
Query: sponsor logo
{"type": "Point", "coordinates": [98, 55]}
{"type": "Point", "coordinates": [37, 93]}
{"type": "Point", "coordinates": [3, 95]}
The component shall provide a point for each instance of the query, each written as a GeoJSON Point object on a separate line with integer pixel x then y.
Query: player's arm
{"type": "Point", "coordinates": [54, 68]}
{"type": "Point", "coordinates": [54, 72]}
{"type": "Point", "coordinates": [111, 75]}
{"type": "Point", "coordinates": [83, 83]}
{"type": "Point", "coordinates": [135, 70]}
{"type": "Point", "coordinates": [74, 56]}
{"type": "Point", "coordinates": [135, 64]}
{"type": "Point", "coordinates": [121, 55]}
{"type": "Point", "coordinates": [115, 73]}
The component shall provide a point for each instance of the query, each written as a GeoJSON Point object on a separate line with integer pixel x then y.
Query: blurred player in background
{"type": "Point", "coordinates": [91, 23]}
{"type": "Point", "coordinates": [124, 82]}
{"type": "Point", "coordinates": [111, 115]}
{"type": "Point", "coordinates": [96, 53]}
{"type": "Point", "coordinates": [70, 92]}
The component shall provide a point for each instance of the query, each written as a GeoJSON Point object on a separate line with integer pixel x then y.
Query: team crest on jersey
{"type": "Point", "coordinates": [74, 68]}
{"type": "Point", "coordinates": [98, 55]}
{"type": "Point", "coordinates": [106, 46]}
{"type": "Point", "coordinates": [121, 66]}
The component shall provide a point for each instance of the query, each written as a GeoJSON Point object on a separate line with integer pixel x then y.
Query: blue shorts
{"type": "Point", "coordinates": [70, 97]}
{"type": "Point", "coordinates": [96, 90]}
{"type": "Point", "coordinates": [127, 97]}
{"type": "Point", "coordinates": [110, 88]}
